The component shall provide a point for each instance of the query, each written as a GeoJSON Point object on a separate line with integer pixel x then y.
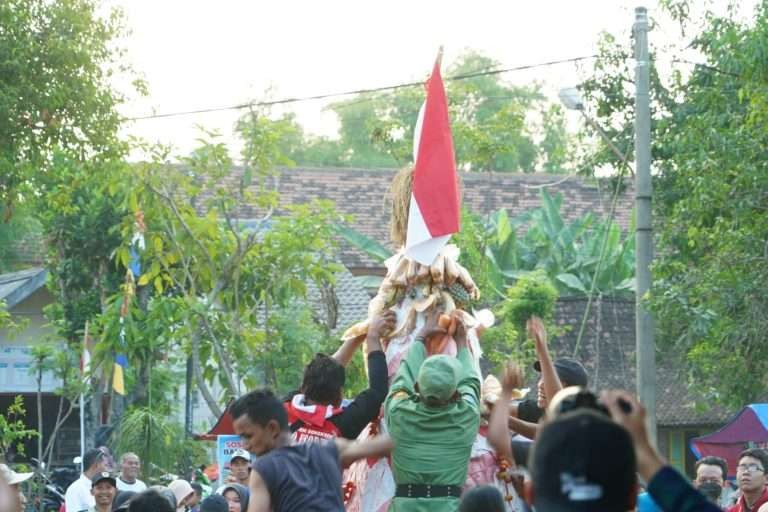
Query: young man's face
{"type": "Point", "coordinates": [709, 473]}
{"type": "Point", "coordinates": [750, 474]}
{"type": "Point", "coordinates": [130, 468]}
{"type": "Point", "coordinates": [239, 469]}
{"type": "Point", "coordinates": [104, 492]}
{"type": "Point", "coordinates": [258, 440]}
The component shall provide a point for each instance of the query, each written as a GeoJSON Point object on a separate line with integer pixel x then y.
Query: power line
{"type": "Point", "coordinates": [284, 101]}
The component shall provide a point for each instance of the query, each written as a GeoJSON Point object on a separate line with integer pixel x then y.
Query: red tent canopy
{"type": "Point", "coordinates": [223, 427]}
{"type": "Point", "coordinates": [748, 429]}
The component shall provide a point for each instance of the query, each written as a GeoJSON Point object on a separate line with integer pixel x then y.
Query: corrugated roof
{"type": "Point", "coordinates": [17, 286]}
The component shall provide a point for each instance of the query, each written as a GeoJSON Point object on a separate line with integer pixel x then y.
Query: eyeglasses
{"type": "Point", "coordinates": [751, 468]}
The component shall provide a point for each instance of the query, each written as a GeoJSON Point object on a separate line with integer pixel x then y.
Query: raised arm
{"type": "Point", "coordinates": [522, 427]}
{"type": "Point", "coordinates": [549, 376]}
{"type": "Point", "coordinates": [405, 377]}
{"type": "Point", "coordinates": [469, 381]}
{"type": "Point", "coordinates": [668, 488]}
{"type": "Point", "coordinates": [498, 430]}
{"type": "Point", "coordinates": [350, 451]}
{"type": "Point", "coordinates": [259, 500]}
{"type": "Point", "coordinates": [380, 325]}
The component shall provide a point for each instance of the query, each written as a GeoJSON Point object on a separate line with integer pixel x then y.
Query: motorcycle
{"type": "Point", "coordinates": [54, 485]}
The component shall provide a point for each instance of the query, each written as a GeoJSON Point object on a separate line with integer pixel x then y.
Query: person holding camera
{"type": "Point", "coordinates": [588, 452]}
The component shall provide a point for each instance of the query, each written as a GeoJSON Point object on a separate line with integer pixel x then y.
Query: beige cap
{"type": "Point", "coordinates": [11, 477]}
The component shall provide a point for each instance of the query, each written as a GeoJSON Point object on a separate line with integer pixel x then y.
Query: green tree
{"type": "Point", "coordinates": [709, 293]}
{"type": "Point", "coordinates": [225, 287]}
{"type": "Point", "coordinates": [13, 429]}
{"type": "Point", "coordinates": [16, 227]}
{"type": "Point", "coordinates": [56, 60]}
{"type": "Point", "coordinates": [491, 121]}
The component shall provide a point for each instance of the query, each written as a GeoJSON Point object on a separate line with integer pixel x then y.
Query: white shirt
{"type": "Point", "coordinates": [137, 486]}
{"type": "Point", "coordinates": [78, 496]}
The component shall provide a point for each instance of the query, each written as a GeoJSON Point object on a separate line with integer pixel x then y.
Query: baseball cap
{"type": "Point", "coordinates": [569, 370]}
{"type": "Point", "coordinates": [242, 454]}
{"type": "Point", "coordinates": [438, 377]}
{"type": "Point", "coordinates": [583, 461]}
{"type": "Point", "coordinates": [11, 477]}
{"type": "Point", "coordinates": [100, 477]}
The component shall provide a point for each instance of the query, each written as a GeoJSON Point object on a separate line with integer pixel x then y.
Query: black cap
{"type": "Point", "coordinates": [100, 477]}
{"type": "Point", "coordinates": [583, 461]}
{"type": "Point", "coordinates": [569, 370]}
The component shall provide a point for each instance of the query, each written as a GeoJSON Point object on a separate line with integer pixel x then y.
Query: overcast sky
{"type": "Point", "coordinates": [198, 54]}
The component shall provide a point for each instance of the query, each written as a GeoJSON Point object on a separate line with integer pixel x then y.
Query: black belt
{"type": "Point", "coordinates": [427, 491]}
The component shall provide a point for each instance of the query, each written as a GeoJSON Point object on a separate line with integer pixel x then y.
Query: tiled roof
{"type": "Point", "coordinates": [352, 301]}
{"type": "Point", "coordinates": [361, 194]}
{"type": "Point", "coordinates": [608, 353]}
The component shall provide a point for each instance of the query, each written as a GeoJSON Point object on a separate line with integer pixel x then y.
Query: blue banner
{"type": "Point", "coordinates": [225, 447]}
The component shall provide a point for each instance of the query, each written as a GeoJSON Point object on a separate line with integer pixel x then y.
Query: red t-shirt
{"type": "Point", "coordinates": [741, 505]}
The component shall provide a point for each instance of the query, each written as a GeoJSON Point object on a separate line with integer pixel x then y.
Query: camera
{"type": "Point", "coordinates": [580, 398]}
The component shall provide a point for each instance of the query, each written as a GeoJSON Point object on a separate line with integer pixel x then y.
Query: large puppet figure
{"type": "Point", "coordinates": [412, 289]}
{"type": "Point", "coordinates": [424, 274]}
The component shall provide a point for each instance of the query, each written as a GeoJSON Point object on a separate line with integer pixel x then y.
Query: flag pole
{"type": "Point", "coordinates": [82, 395]}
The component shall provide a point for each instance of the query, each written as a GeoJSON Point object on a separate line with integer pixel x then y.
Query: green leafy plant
{"type": "Point", "coordinates": [13, 429]}
{"type": "Point", "coordinates": [709, 294]}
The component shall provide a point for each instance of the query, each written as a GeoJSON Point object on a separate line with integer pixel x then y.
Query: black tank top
{"type": "Point", "coordinates": [304, 477]}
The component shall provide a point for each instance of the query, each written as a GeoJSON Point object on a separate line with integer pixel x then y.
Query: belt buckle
{"type": "Point", "coordinates": [429, 491]}
{"type": "Point", "coordinates": [410, 491]}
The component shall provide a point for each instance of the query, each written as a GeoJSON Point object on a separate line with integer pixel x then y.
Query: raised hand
{"type": "Point", "coordinates": [537, 331]}
{"type": "Point", "coordinates": [512, 378]}
{"type": "Point", "coordinates": [383, 323]}
{"type": "Point", "coordinates": [431, 327]}
{"type": "Point", "coordinates": [460, 334]}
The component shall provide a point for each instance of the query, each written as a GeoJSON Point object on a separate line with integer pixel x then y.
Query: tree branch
{"type": "Point", "coordinates": [222, 356]}
{"type": "Point", "coordinates": [199, 379]}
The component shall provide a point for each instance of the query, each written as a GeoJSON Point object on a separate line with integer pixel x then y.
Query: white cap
{"type": "Point", "coordinates": [12, 477]}
{"type": "Point", "coordinates": [243, 454]}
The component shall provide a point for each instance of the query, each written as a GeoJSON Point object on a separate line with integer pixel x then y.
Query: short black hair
{"type": "Point", "coordinates": [261, 406]}
{"type": "Point", "coordinates": [122, 499]}
{"type": "Point", "coordinates": [756, 453]}
{"type": "Point", "coordinates": [484, 498]}
{"type": "Point", "coordinates": [91, 457]}
{"type": "Point", "coordinates": [323, 379]}
{"type": "Point", "coordinates": [214, 503]}
{"type": "Point", "coordinates": [150, 501]}
{"type": "Point", "coordinates": [198, 488]}
{"type": "Point", "coordinates": [711, 460]}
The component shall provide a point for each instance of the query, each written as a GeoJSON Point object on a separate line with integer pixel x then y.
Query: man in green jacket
{"type": "Point", "coordinates": [432, 414]}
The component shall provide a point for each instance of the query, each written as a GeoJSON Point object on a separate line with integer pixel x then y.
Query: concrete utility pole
{"type": "Point", "coordinates": [646, 349]}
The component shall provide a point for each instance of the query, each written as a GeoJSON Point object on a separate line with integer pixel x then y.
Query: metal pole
{"type": "Point", "coordinates": [646, 353]}
{"type": "Point", "coordinates": [188, 400]}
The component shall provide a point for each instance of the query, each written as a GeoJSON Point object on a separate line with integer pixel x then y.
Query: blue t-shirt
{"type": "Point", "coordinates": [304, 477]}
{"type": "Point", "coordinates": [646, 504]}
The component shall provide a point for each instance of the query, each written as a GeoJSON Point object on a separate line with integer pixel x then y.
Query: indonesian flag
{"type": "Point", "coordinates": [433, 215]}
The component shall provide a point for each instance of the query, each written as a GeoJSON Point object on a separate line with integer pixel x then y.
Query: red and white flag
{"type": "Point", "coordinates": [433, 215]}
